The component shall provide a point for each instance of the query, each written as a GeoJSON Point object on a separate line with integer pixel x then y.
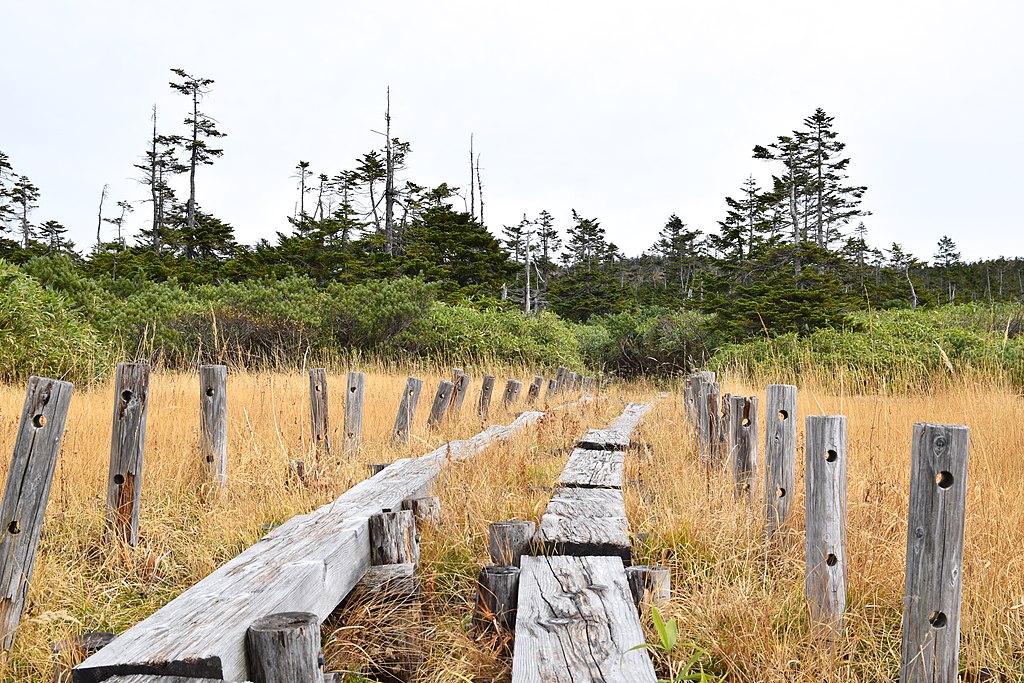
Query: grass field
{"type": "Point", "coordinates": [736, 598]}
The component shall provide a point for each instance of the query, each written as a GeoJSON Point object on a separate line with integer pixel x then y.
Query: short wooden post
{"type": "Point", "coordinates": [560, 378]}
{"type": "Point", "coordinates": [724, 424]}
{"type": "Point", "coordinates": [779, 454]}
{"type": "Point", "coordinates": [533, 393]}
{"type": "Point", "coordinates": [318, 414]}
{"type": "Point", "coordinates": [507, 542]}
{"type": "Point", "coordinates": [552, 389]}
{"type": "Point", "coordinates": [442, 399]}
{"type": "Point", "coordinates": [649, 585]}
{"type": "Point", "coordinates": [935, 543]}
{"type": "Point", "coordinates": [284, 648]}
{"type": "Point", "coordinates": [588, 383]}
{"type": "Point", "coordinates": [27, 492]}
{"type": "Point", "coordinates": [459, 393]}
{"type": "Point", "coordinates": [406, 411]}
{"type": "Point", "coordinates": [456, 374]}
{"type": "Point", "coordinates": [486, 390]}
{"type": "Point", "coordinates": [393, 538]}
{"type": "Point", "coordinates": [497, 597]}
{"type": "Point", "coordinates": [743, 445]}
{"type": "Point", "coordinates": [707, 422]}
{"type": "Point", "coordinates": [825, 471]}
{"type": "Point", "coordinates": [127, 444]}
{"type": "Point", "coordinates": [213, 424]}
{"type": "Point", "coordinates": [512, 389]}
{"type": "Point", "coordinates": [355, 389]}
{"type": "Point", "coordinates": [424, 509]}
{"type": "Point", "coordinates": [570, 381]}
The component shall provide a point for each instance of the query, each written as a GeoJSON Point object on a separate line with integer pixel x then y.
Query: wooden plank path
{"type": "Point", "coordinates": [577, 622]}
{"type": "Point", "coordinates": [617, 436]}
{"type": "Point", "coordinates": [585, 521]}
{"type": "Point", "coordinates": [593, 469]}
{"type": "Point", "coordinates": [308, 564]}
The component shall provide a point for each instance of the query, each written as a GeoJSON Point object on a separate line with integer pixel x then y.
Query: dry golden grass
{"type": "Point", "coordinates": [734, 596]}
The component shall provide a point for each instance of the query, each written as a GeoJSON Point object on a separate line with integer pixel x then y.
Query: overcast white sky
{"type": "Point", "coordinates": [625, 111]}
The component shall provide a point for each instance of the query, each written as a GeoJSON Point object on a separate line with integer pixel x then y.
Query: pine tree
{"type": "Point", "coordinates": [745, 224]}
{"type": "Point", "coordinates": [24, 195]}
{"type": "Point", "coordinates": [159, 163]}
{"type": "Point", "coordinates": [6, 180]}
{"type": "Point", "coordinates": [834, 202]}
{"type": "Point", "coordinates": [587, 243]}
{"type": "Point", "coordinates": [201, 128]}
{"type": "Point", "coordinates": [948, 259]}
{"type": "Point", "coordinates": [679, 246]}
{"type": "Point", "coordinates": [52, 233]}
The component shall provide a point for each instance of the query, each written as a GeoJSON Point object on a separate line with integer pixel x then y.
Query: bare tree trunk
{"type": "Point", "coordinates": [193, 160]}
{"type": "Point", "coordinates": [472, 181]}
{"type": "Point", "coordinates": [480, 189]}
{"type": "Point", "coordinates": [389, 187]}
{"type": "Point", "coordinates": [526, 290]}
{"type": "Point", "coordinates": [913, 292]}
{"type": "Point", "coordinates": [99, 215]}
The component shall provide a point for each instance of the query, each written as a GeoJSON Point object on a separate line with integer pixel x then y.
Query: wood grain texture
{"type": "Point", "coordinates": [497, 598]}
{"type": "Point", "coordinates": [508, 541]}
{"type": "Point", "coordinates": [618, 434]}
{"type": "Point", "coordinates": [560, 374]}
{"type": "Point", "coordinates": [285, 648]}
{"type": "Point", "coordinates": [707, 425]}
{"type": "Point", "coordinates": [512, 389]}
{"type": "Point", "coordinates": [406, 411]}
{"type": "Point", "coordinates": [935, 544]}
{"type": "Point", "coordinates": [779, 454]}
{"type": "Point", "coordinates": [355, 393]}
{"type": "Point", "coordinates": [486, 391]}
{"type": "Point", "coordinates": [825, 472]}
{"type": "Point", "coordinates": [148, 678]}
{"type": "Point", "coordinates": [587, 468]}
{"type": "Point", "coordinates": [127, 447]}
{"type": "Point", "coordinates": [576, 622]}
{"type": "Point", "coordinates": [459, 393]}
{"type": "Point", "coordinates": [442, 400]}
{"type": "Point", "coordinates": [26, 493]}
{"type": "Point", "coordinates": [585, 522]}
{"type": "Point", "coordinates": [743, 446]}
{"type": "Point", "coordinates": [319, 414]}
{"type": "Point", "coordinates": [307, 564]}
{"type": "Point", "coordinates": [393, 538]}
{"type": "Point", "coordinates": [213, 423]}
{"type": "Point", "coordinates": [533, 393]}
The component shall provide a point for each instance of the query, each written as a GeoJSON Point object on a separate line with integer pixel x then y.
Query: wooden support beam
{"type": "Point", "coordinates": [355, 389]}
{"type": "Point", "coordinates": [585, 522]}
{"type": "Point", "coordinates": [935, 546]}
{"type": "Point", "coordinates": [551, 390]}
{"type": "Point", "coordinates": [285, 648]}
{"type": "Point", "coordinates": [743, 446]}
{"type": "Point", "coordinates": [426, 509]}
{"type": "Point", "coordinates": [707, 424]}
{"type": "Point", "coordinates": [319, 417]}
{"type": "Point", "coordinates": [497, 597]}
{"type": "Point", "coordinates": [442, 399]}
{"type": "Point", "coordinates": [779, 455]}
{"type": "Point", "coordinates": [26, 493]}
{"type": "Point", "coordinates": [560, 374]}
{"type": "Point", "coordinates": [649, 585]}
{"type": "Point", "coordinates": [393, 538]}
{"type": "Point", "coordinates": [508, 541]}
{"type": "Point", "coordinates": [825, 571]}
{"type": "Point", "coordinates": [213, 423]}
{"type": "Point", "coordinates": [127, 445]}
{"type": "Point", "coordinates": [593, 469]}
{"type": "Point", "coordinates": [486, 390]}
{"type": "Point", "coordinates": [406, 411]}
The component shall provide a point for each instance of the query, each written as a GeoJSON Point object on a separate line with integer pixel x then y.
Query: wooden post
{"type": "Point", "coordinates": [560, 378]}
{"type": "Point", "coordinates": [825, 471]}
{"type": "Point", "coordinates": [570, 381]}
{"type": "Point", "coordinates": [424, 509]}
{"type": "Point", "coordinates": [406, 411]}
{"type": "Point", "coordinates": [486, 390]}
{"type": "Point", "coordinates": [213, 424]}
{"type": "Point", "coordinates": [935, 543]}
{"type": "Point", "coordinates": [393, 538]}
{"type": "Point", "coordinates": [26, 493]}
{"type": "Point", "coordinates": [588, 383]}
{"type": "Point", "coordinates": [552, 389]}
{"type": "Point", "coordinates": [459, 393]}
{"type": "Point", "coordinates": [284, 648]}
{"type": "Point", "coordinates": [779, 454]}
{"type": "Point", "coordinates": [724, 423]}
{"type": "Point", "coordinates": [649, 585]}
{"type": "Point", "coordinates": [318, 415]}
{"type": "Point", "coordinates": [512, 389]}
{"type": "Point", "coordinates": [127, 444]}
{"type": "Point", "coordinates": [442, 399]}
{"type": "Point", "coordinates": [692, 399]}
{"type": "Point", "coordinates": [507, 542]}
{"type": "Point", "coordinates": [707, 423]}
{"type": "Point", "coordinates": [456, 374]}
{"type": "Point", "coordinates": [355, 389]}
{"type": "Point", "coordinates": [743, 445]}
{"type": "Point", "coordinates": [497, 596]}
{"type": "Point", "coordinates": [533, 393]}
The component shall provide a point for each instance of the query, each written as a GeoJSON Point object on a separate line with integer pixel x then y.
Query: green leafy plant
{"type": "Point", "coordinates": [683, 657]}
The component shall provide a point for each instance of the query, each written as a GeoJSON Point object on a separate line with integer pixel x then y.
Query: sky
{"type": "Point", "coordinates": [627, 112]}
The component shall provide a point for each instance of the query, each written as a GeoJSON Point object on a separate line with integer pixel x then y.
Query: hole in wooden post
{"type": "Point", "coordinates": [209, 391]}
{"type": "Point", "coordinates": [126, 395]}
{"type": "Point", "coordinates": [831, 560]}
{"type": "Point", "coordinates": [14, 527]}
{"type": "Point", "coordinates": [316, 387]}
{"type": "Point", "coordinates": [831, 455]}
{"type": "Point", "coordinates": [745, 422]}
{"type": "Point", "coordinates": [783, 415]}
{"type": "Point", "coordinates": [118, 479]}
{"type": "Point", "coordinates": [39, 420]}
{"type": "Point", "coordinates": [209, 458]}
{"type": "Point", "coordinates": [781, 492]}
{"type": "Point", "coordinates": [352, 388]}
{"type": "Point", "coordinates": [937, 619]}
{"type": "Point", "coordinates": [351, 434]}
{"type": "Point", "coordinates": [944, 479]}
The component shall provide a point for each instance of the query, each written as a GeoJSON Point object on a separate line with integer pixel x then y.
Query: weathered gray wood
{"type": "Point", "coordinates": [588, 468]}
{"type": "Point", "coordinates": [508, 541]}
{"type": "Point", "coordinates": [825, 472]}
{"type": "Point", "coordinates": [588, 383]}
{"type": "Point", "coordinates": [459, 393]}
{"type": "Point", "coordinates": [585, 522]}
{"type": "Point", "coordinates": [935, 544]}
{"type": "Point", "coordinates": [560, 374]}
{"type": "Point", "coordinates": [426, 509]}
{"type": "Point", "coordinates": [307, 564]}
{"type": "Point", "coordinates": [26, 493]}
{"type": "Point", "coordinates": [285, 648]}
{"type": "Point", "coordinates": [707, 423]}
{"type": "Point", "coordinates": [442, 399]}
{"type": "Point", "coordinates": [486, 390]}
{"type": "Point", "coordinates": [743, 446]}
{"type": "Point", "coordinates": [779, 454]}
{"type": "Point", "coordinates": [68, 653]}
{"type": "Point", "coordinates": [406, 411]}
{"type": "Point", "coordinates": [391, 583]}
{"type": "Point", "coordinates": [213, 423]}
{"type": "Point", "coordinates": [393, 538]}
{"type": "Point", "coordinates": [511, 395]}
{"type": "Point", "coordinates": [148, 678]}
{"type": "Point", "coordinates": [497, 598]}
{"type": "Point", "coordinates": [552, 389]}
{"type": "Point", "coordinates": [319, 422]}
{"type": "Point", "coordinates": [691, 396]}
{"type": "Point", "coordinates": [617, 436]}
{"type": "Point", "coordinates": [577, 622]}
{"type": "Point", "coordinates": [649, 585]}
{"type": "Point", "coordinates": [570, 381]}
{"type": "Point", "coordinates": [127, 446]}
{"type": "Point", "coordinates": [355, 389]}
{"type": "Point", "coordinates": [376, 467]}
{"type": "Point", "coordinates": [724, 438]}
{"type": "Point", "coordinates": [456, 374]}
{"type": "Point", "coordinates": [533, 393]}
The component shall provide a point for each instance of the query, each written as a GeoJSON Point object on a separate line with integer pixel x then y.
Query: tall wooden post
{"type": "Point", "coordinates": [512, 389]}
{"type": "Point", "coordinates": [284, 648]}
{"type": "Point", "coordinates": [406, 411]}
{"type": "Point", "coordinates": [318, 414]}
{"type": "Point", "coordinates": [355, 389]}
{"type": "Point", "coordinates": [442, 399]}
{"type": "Point", "coordinates": [707, 421]}
{"type": "Point", "coordinates": [213, 423]}
{"type": "Point", "coordinates": [127, 443]}
{"type": "Point", "coordinates": [743, 445]}
{"type": "Point", "coordinates": [935, 545]}
{"type": "Point", "coordinates": [779, 454]}
{"type": "Point", "coordinates": [486, 390]}
{"type": "Point", "coordinates": [825, 471]}
{"type": "Point", "coordinates": [26, 493]}
{"type": "Point", "coordinates": [459, 393]}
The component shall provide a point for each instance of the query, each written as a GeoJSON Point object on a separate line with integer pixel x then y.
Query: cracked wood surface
{"type": "Point", "coordinates": [581, 521]}
{"type": "Point", "coordinates": [593, 469]}
{"type": "Point", "coordinates": [576, 622]}
{"type": "Point", "coordinates": [617, 436]}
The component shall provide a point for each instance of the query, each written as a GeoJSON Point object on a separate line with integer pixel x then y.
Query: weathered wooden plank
{"type": "Point", "coordinates": [148, 678]}
{"type": "Point", "coordinates": [307, 564]}
{"type": "Point", "coordinates": [213, 423]}
{"type": "Point", "coordinates": [585, 522]}
{"type": "Point", "coordinates": [406, 411]}
{"type": "Point", "coordinates": [825, 471]}
{"type": "Point", "coordinates": [127, 444]}
{"type": "Point", "coordinates": [588, 468]}
{"type": "Point", "coordinates": [355, 390]}
{"type": "Point", "coordinates": [319, 414]}
{"type": "Point", "coordinates": [26, 493]}
{"type": "Point", "coordinates": [617, 436]}
{"type": "Point", "coordinates": [779, 454]}
{"type": "Point", "coordinates": [935, 546]}
{"type": "Point", "coordinates": [576, 622]}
